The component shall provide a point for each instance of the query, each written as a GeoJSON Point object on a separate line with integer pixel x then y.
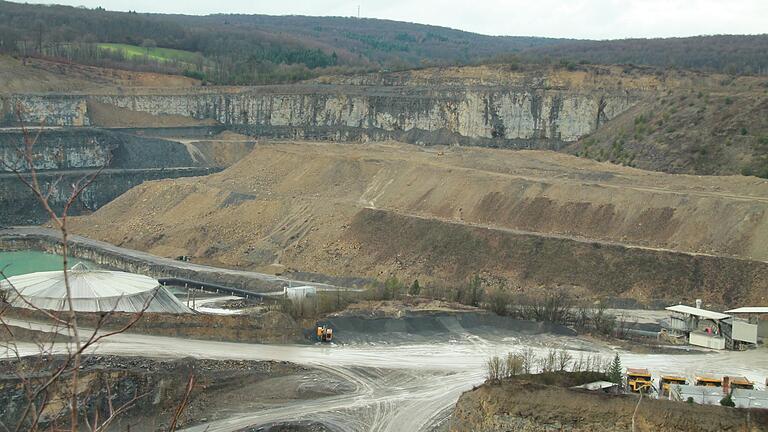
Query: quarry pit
{"type": "Point", "coordinates": [440, 176]}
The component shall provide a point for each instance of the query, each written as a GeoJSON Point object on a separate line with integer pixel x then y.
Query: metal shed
{"type": "Point", "coordinates": [702, 327]}
{"type": "Point", "coordinates": [757, 315]}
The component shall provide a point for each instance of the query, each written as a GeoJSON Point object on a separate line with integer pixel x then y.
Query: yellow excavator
{"type": "Point", "coordinates": [323, 333]}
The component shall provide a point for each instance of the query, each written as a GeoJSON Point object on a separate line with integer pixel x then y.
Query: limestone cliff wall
{"type": "Point", "coordinates": [48, 110]}
{"type": "Point", "coordinates": [59, 149]}
{"type": "Point", "coordinates": [506, 115]}
{"type": "Point", "coordinates": [64, 156]}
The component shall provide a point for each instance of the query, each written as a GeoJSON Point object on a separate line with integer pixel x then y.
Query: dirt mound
{"type": "Point", "coordinates": [111, 116]}
{"type": "Point", "coordinates": [224, 149]}
{"type": "Point", "coordinates": [270, 327]}
{"type": "Point", "coordinates": [21, 334]}
{"type": "Point", "coordinates": [400, 308]}
{"type": "Point", "coordinates": [304, 205]}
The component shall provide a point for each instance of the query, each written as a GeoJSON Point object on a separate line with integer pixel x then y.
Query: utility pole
{"type": "Point", "coordinates": [358, 11]}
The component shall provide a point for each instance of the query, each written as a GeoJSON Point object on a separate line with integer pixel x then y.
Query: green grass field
{"type": "Point", "coordinates": [158, 54]}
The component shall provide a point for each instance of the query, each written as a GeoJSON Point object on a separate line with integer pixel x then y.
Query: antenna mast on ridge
{"type": "Point", "coordinates": [358, 11]}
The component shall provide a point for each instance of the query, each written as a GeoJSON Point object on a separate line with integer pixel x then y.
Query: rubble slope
{"type": "Point", "coordinates": [308, 206]}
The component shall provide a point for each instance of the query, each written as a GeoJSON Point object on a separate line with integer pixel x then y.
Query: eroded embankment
{"type": "Point", "coordinates": [269, 327]}
{"type": "Point", "coordinates": [536, 403]}
{"type": "Point", "coordinates": [522, 220]}
{"type": "Point", "coordinates": [429, 247]}
{"type": "Point", "coordinates": [221, 387]}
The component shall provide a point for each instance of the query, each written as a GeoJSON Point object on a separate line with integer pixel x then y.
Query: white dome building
{"type": "Point", "coordinates": [92, 291]}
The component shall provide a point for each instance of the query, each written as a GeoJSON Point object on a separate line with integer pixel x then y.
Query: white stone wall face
{"type": "Point", "coordinates": [491, 113]}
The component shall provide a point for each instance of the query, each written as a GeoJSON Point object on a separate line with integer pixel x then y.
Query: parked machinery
{"type": "Point", "coordinates": [708, 381]}
{"type": "Point", "coordinates": [323, 333]}
{"type": "Point", "coordinates": [639, 380]}
{"type": "Point", "coordinates": [741, 383]}
{"type": "Point", "coordinates": [667, 381]}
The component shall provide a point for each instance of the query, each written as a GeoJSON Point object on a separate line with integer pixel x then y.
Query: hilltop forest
{"type": "Point", "coordinates": [259, 49]}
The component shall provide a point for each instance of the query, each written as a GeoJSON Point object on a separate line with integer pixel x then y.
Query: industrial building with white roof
{"type": "Point", "coordinates": [91, 291]}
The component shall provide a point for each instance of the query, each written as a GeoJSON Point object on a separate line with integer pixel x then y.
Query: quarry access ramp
{"type": "Point", "coordinates": [237, 282]}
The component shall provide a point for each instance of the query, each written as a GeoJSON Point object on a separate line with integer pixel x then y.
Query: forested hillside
{"type": "Point", "coordinates": [716, 128]}
{"type": "Point", "coordinates": [258, 49]}
{"type": "Point", "coordinates": [242, 49]}
{"type": "Point", "coordinates": [732, 54]}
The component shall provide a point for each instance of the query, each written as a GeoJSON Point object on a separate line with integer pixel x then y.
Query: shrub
{"type": "Point", "coordinates": [471, 294]}
{"type": "Point", "coordinates": [499, 302]}
{"type": "Point", "coordinates": [415, 288]}
{"type": "Point", "coordinates": [514, 364]}
{"type": "Point", "coordinates": [495, 369]}
{"type": "Point", "coordinates": [728, 401]}
{"type": "Point", "coordinates": [528, 357]}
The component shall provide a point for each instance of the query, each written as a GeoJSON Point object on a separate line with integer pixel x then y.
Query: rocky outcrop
{"type": "Point", "coordinates": [50, 110]}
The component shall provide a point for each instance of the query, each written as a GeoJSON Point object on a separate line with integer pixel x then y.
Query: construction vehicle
{"type": "Point", "coordinates": [668, 380]}
{"type": "Point", "coordinates": [639, 380]}
{"type": "Point", "coordinates": [741, 383]}
{"type": "Point", "coordinates": [708, 381]}
{"type": "Point", "coordinates": [323, 333]}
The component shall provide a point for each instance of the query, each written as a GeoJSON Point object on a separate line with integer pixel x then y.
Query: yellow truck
{"type": "Point", "coordinates": [669, 380]}
{"type": "Point", "coordinates": [742, 383]}
{"type": "Point", "coordinates": [708, 381]}
{"type": "Point", "coordinates": [639, 380]}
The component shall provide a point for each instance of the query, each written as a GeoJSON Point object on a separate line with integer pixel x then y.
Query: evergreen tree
{"type": "Point", "coordinates": [615, 371]}
{"type": "Point", "coordinates": [415, 288]}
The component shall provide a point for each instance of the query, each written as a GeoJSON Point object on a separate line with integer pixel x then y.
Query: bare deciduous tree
{"type": "Point", "coordinates": [39, 375]}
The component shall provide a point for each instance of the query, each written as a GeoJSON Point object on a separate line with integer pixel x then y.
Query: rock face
{"type": "Point", "coordinates": [510, 117]}
{"type": "Point", "coordinates": [86, 148]}
{"type": "Point", "coordinates": [64, 156]}
{"type": "Point", "coordinates": [541, 110]}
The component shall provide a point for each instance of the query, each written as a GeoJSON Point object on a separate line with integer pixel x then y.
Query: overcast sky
{"type": "Point", "coordinates": [589, 19]}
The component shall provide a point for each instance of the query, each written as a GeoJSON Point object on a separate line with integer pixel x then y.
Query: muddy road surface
{"type": "Point", "coordinates": [404, 386]}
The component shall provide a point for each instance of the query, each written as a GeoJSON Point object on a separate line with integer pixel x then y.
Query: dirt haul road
{"type": "Point", "coordinates": [407, 387]}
